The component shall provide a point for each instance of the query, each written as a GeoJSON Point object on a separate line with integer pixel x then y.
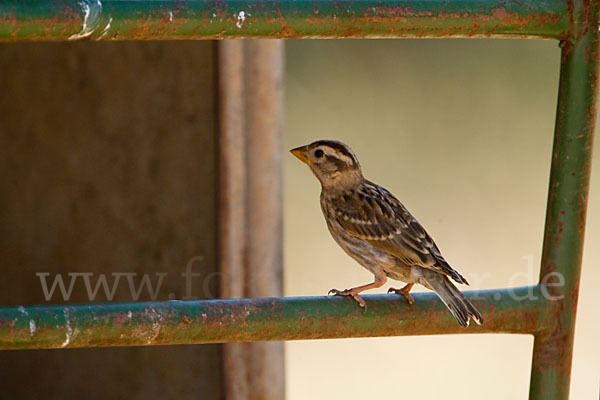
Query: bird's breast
{"type": "Point", "coordinates": [365, 254]}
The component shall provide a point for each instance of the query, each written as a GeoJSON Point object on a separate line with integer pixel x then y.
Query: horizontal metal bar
{"type": "Point", "coordinates": [49, 20]}
{"type": "Point", "coordinates": [521, 310]}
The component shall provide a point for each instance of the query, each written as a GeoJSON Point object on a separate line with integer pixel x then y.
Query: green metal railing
{"type": "Point", "coordinates": [573, 22]}
{"type": "Point", "coordinates": [251, 320]}
{"type": "Point", "coordinates": [128, 19]}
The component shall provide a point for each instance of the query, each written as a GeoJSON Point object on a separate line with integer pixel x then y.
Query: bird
{"type": "Point", "coordinates": [375, 229]}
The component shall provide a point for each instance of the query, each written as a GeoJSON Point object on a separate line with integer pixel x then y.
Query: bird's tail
{"type": "Point", "coordinates": [457, 303]}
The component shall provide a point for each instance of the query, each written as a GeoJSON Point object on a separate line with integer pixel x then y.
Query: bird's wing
{"type": "Point", "coordinates": [377, 217]}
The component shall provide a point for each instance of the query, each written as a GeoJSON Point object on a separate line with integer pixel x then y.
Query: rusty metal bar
{"type": "Point", "coordinates": [522, 310]}
{"type": "Point", "coordinates": [567, 203]}
{"type": "Point", "coordinates": [49, 20]}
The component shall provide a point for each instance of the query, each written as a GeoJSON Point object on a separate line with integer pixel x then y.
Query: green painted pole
{"type": "Point", "coordinates": [521, 310]}
{"type": "Point", "coordinates": [567, 204]}
{"type": "Point", "coordinates": [53, 20]}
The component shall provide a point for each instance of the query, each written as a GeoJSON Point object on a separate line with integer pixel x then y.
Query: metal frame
{"type": "Point", "coordinates": [573, 22]}
{"type": "Point", "coordinates": [197, 19]}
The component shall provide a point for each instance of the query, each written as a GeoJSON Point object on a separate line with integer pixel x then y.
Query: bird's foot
{"type": "Point", "coordinates": [404, 292]}
{"type": "Point", "coordinates": [352, 293]}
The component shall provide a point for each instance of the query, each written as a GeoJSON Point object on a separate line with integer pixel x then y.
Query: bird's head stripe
{"type": "Point", "coordinates": [338, 149]}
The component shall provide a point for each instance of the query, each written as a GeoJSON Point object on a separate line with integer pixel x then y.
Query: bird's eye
{"type": "Point", "coordinates": [318, 153]}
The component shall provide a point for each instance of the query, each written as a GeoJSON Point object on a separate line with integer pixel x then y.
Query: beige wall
{"type": "Point", "coordinates": [461, 132]}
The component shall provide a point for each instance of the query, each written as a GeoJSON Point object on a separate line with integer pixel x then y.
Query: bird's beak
{"type": "Point", "coordinates": [301, 153]}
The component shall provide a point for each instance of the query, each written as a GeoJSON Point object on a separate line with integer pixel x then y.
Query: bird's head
{"type": "Point", "coordinates": [333, 163]}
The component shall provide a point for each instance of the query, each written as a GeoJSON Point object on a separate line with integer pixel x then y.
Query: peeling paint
{"type": "Point", "coordinates": [92, 11]}
{"type": "Point", "coordinates": [241, 17]}
{"type": "Point", "coordinates": [156, 324]}
{"type": "Point", "coordinates": [106, 29]}
{"type": "Point", "coordinates": [69, 330]}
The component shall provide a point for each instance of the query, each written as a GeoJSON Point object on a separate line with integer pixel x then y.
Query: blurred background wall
{"type": "Point", "coordinates": [107, 164]}
{"type": "Point", "coordinates": [461, 132]}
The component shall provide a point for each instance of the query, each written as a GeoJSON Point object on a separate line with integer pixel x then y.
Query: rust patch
{"type": "Point", "coordinates": [554, 352]}
{"type": "Point", "coordinates": [586, 18]}
{"type": "Point", "coordinates": [571, 10]}
{"type": "Point", "coordinates": [501, 13]}
{"type": "Point", "coordinates": [561, 227]}
{"type": "Point", "coordinates": [388, 11]}
{"type": "Point", "coordinates": [590, 110]}
{"type": "Point", "coordinates": [586, 57]}
{"type": "Point", "coordinates": [391, 21]}
{"type": "Point", "coordinates": [10, 323]}
{"type": "Point", "coordinates": [444, 16]}
{"type": "Point", "coordinates": [567, 44]}
{"type": "Point", "coordinates": [117, 320]}
{"type": "Point", "coordinates": [582, 214]}
{"type": "Point", "coordinates": [507, 18]}
{"type": "Point", "coordinates": [549, 267]}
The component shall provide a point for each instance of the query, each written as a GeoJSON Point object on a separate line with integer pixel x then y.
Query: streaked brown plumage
{"type": "Point", "coordinates": [375, 229]}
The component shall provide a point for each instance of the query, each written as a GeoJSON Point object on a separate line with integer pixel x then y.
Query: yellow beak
{"type": "Point", "coordinates": [301, 153]}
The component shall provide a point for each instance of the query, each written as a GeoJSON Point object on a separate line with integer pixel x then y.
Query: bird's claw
{"type": "Point", "coordinates": [348, 292]}
{"type": "Point", "coordinates": [402, 292]}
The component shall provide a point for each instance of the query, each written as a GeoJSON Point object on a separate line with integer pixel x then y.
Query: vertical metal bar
{"type": "Point", "coordinates": [263, 76]}
{"type": "Point", "coordinates": [250, 90]}
{"type": "Point", "coordinates": [232, 203]}
{"type": "Point", "coordinates": [264, 109]}
{"type": "Point", "coordinates": [232, 168]}
{"type": "Point", "coordinates": [567, 204]}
